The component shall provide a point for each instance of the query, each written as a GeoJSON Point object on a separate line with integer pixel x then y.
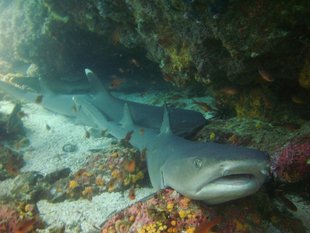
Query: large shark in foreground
{"type": "Point", "coordinates": [213, 173]}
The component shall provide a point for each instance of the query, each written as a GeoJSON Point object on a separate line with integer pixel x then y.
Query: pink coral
{"type": "Point", "coordinates": [291, 163]}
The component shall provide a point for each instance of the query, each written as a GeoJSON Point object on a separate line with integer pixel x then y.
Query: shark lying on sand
{"type": "Point", "coordinates": [183, 123]}
{"type": "Point", "coordinates": [213, 173]}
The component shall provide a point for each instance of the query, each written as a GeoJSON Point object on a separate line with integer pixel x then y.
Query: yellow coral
{"type": "Point", "coordinates": [137, 177]}
{"type": "Point", "coordinates": [170, 206]}
{"type": "Point", "coordinates": [212, 136]}
{"type": "Point", "coordinates": [180, 59]}
{"type": "Point", "coordinates": [184, 213]}
{"type": "Point", "coordinates": [73, 184]}
{"type": "Point", "coordinates": [253, 104]}
{"type": "Point", "coordinates": [190, 230]}
{"type": "Point", "coordinates": [99, 181]}
{"type": "Point", "coordinates": [155, 227]}
{"type": "Point", "coordinates": [127, 180]}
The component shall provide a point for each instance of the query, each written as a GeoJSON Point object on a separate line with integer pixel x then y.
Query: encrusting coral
{"type": "Point", "coordinates": [115, 169]}
{"type": "Point", "coordinates": [291, 164]}
{"type": "Point", "coordinates": [168, 211]}
{"type": "Point", "coordinates": [21, 218]}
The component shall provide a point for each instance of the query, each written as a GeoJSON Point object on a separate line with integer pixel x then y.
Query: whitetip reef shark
{"type": "Point", "coordinates": [211, 172]}
{"type": "Point", "coordinates": [184, 123]}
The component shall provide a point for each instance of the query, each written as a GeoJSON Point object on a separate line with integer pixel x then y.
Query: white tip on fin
{"type": "Point", "coordinates": [95, 83]}
{"type": "Point", "coordinates": [165, 126]}
{"type": "Point", "coordinates": [127, 118]}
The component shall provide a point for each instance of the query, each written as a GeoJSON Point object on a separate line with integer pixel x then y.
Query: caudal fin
{"type": "Point", "coordinates": [18, 93]}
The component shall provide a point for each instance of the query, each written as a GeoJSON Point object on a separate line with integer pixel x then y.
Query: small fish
{"type": "Point", "coordinates": [297, 99]}
{"type": "Point", "coordinates": [39, 99]}
{"type": "Point", "coordinates": [116, 82]}
{"type": "Point", "coordinates": [132, 194]}
{"type": "Point", "coordinates": [47, 127]}
{"type": "Point", "coordinates": [230, 91]}
{"type": "Point", "coordinates": [168, 78]}
{"type": "Point", "coordinates": [203, 106]}
{"type": "Point", "coordinates": [134, 61]}
{"type": "Point", "coordinates": [207, 225]}
{"type": "Point", "coordinates": [265, 75]}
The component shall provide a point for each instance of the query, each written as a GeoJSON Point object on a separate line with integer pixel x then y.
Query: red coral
{"type": "Point", "coordinates": [291, 164]}
{"type": "Point", "coordinates": [10, 221]}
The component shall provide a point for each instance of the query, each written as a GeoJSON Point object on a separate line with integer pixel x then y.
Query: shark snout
{"type": "Point", "coordinates": [233, 180]}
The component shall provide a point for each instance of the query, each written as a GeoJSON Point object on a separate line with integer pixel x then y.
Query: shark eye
{"type": "Point", "coordinates": [197, 163]}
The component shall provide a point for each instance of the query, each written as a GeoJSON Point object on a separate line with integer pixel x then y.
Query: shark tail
{"type": "Point", "coordinates": [19, 93]}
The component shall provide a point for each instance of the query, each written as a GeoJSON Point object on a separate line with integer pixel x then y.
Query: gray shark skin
{"type": "Point", "coordinates": [213, 173]}
{"type": "Point", "coordinates": [183, 123]}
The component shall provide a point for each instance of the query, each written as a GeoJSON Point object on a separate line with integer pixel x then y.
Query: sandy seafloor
{"type": "Point", "coordinates": [45, 155]}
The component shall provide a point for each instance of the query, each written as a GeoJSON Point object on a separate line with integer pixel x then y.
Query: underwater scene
{"type": "Point", "coordinates": [159, 116]}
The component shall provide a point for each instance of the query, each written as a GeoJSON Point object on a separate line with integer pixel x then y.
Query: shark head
{"type": "Point", "coordinates": [216, 174]}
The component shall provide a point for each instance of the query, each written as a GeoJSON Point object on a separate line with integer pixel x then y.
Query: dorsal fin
{"type": "Point", "coordinates": [95, 83]}
{"type": "Point", "coordinates": [165, 126]}
{"type": "Point", "coordinates": [127, 118]}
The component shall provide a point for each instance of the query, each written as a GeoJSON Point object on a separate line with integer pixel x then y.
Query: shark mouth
{"type": "Point", "coordinates": [234, 179]}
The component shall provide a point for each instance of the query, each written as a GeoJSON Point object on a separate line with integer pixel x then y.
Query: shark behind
{"type": "Point", "coordinates": [213, 173]}
{"type": "Point", "coordinates": [184, 122]}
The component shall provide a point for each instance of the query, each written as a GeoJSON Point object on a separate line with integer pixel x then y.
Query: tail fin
{"type": "Point", "coordinates": [18, 93]}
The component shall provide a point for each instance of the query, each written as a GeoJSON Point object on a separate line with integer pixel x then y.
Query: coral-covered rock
{"type": "Point", "coordinates": [168, 211]}
{"type": "Point", "coordinates": [10, 163]}
{"type": "Point", "coordinates": [291, 164]}
{"type": "Point", "coordinates": [113, 169]}
{"type": "Point", "coordinates": [18, 218]}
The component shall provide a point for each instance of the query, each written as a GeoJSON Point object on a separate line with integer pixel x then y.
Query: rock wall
{"type": "Point", "coordinates": [215, 43]}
